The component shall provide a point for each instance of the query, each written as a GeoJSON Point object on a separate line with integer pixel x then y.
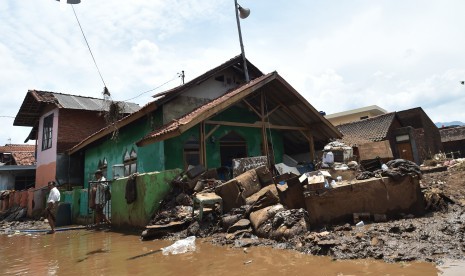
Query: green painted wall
{"type": "Point", "coordinates": [149, 158]}
{"type": "Point", "coordinates": [151, 189]}
{"type": "Point", "coordinates": [253, 136]}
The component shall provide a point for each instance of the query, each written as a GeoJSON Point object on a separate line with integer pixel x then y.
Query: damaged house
{"type": "Point", "coordinates": [58, 122]}
{"type": "Point", "coordinates": [407, 134]}
{"type": "Point", "coordinates": [209, 121]}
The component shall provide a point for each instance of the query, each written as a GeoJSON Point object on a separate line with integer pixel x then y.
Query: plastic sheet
{"type": "Point", "coordinates": [181, 246]}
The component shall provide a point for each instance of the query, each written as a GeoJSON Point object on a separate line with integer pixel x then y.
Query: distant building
{"type": "Point", "coordinates": [355, 115]}
{"type": "Point", "coordinates": [411, 133]}
{"type": "Point", "coordinates": [17, 167]}
{"type": "Point", "coordinates": [453, 141]}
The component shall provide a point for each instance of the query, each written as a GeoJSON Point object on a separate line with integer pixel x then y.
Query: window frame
{"type": "Point", "coordinates": [47, 132]}
{"type": "Point", "coordinates": [130, 162]}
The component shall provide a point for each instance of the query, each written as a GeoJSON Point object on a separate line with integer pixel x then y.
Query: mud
{"type": "Point", "coordinates": [435, 237]}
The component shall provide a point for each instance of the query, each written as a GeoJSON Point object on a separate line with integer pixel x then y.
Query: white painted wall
{"type": "Point", "coordinates": [49, 155]}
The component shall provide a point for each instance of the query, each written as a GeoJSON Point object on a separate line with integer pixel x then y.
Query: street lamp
{"type": "Point", "coordinates": [243, 13]}
{"type": "Point", "coordinates": [72, 2]}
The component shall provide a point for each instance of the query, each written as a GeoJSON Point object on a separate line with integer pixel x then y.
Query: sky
{"type": "Point", "coordinates": [340, 55]}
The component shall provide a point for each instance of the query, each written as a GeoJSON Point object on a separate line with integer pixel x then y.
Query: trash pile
{"type": "Point", "coordinates": [246, 206]}
{"type": "Point", "coordinates": [395, 169]}
{"type": "Point", "coordinates": [7, 212]}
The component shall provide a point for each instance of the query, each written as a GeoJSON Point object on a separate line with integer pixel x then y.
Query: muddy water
{"type": "Point", "coordinates": [109, 253]}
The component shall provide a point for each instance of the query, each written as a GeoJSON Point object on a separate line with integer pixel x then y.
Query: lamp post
{"type": "Point", "coordinates": [244, 13]}
{"type": "Point", "coordinates": [72, 2]}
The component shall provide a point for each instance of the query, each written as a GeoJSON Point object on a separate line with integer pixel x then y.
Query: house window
{"type": "Point", "coordinates": [191, 152]}
{"type": "Point", "coordinates": [402, 138]}
{"type": "Point", "coordinates": [47, 132]}
{"type": "Point", "coordinates": [130, 162]}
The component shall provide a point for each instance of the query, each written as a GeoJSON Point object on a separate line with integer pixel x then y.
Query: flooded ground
{"type": "Point", "coordinates": [84, 252]}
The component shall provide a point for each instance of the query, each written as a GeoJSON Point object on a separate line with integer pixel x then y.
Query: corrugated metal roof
{"type": "Point", "coordinates": [35, 101]}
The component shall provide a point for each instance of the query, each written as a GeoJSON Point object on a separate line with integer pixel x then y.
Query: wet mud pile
{"type": "Point", "coordinates": [436, 236]}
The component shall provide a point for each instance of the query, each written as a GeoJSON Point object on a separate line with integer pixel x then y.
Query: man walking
{"type": "Point", "coordinates": [52, 203]}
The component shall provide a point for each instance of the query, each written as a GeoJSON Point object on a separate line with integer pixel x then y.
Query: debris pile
{"type": "Point", "coordinates": [254, 204]}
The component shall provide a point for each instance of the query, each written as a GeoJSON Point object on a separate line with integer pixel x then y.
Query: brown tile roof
{"type": "Point", "coordinates": [368, 130]}
{"type": "Point", "coordinates": [23, 154]}
{"type": "Point", "coordinates": [452, 134]}
{"type": "Point", "coordinates": [24, 158]}
{"type": "Point", "coordinates": [17, 147]}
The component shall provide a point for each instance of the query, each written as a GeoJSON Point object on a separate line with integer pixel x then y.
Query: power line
{"type": "Point", "coordinates": [177, 76]}
{"type": "Point", "coordinates": [82, 31]}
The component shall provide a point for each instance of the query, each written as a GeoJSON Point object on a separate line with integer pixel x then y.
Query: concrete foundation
{"type": "Point", "coordinates": [374, 196]}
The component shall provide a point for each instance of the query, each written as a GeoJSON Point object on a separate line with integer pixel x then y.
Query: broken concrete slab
{"type": "Point", "coordinates": [375, 195]}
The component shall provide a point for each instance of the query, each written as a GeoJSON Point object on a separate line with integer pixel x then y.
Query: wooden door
{"type": "Point", "coordinates": [405, 151]}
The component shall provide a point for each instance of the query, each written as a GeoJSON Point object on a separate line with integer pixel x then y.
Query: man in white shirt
{"type": "Point", "coordinates": [100, 199]}
{"type": "Point", "coordinates": [52, 203]}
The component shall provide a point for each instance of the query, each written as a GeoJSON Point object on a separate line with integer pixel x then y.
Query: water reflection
{"type": "Point", "coordinates": [108, 253]}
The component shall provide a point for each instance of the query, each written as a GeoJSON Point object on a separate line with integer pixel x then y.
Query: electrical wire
{"type": "Point", "coordinates": [177, 76]}
{"type": "Point", "coordinates": [82, 31]}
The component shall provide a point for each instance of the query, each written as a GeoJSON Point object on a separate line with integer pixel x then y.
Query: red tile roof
{"type": "Point", "coordinates": [368, 130]}
{"type": "Point", "coordinates": [23, 154]}
{"type": "Point", "coordinates": [17, 147]}
{"type": "Point", "coordinates": [24, 158]}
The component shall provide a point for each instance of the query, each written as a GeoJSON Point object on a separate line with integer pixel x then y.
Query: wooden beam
{"type": "Point", "coordinates": [264, 135]}
{"type": "Point", "coordinates": [256, 125]}
{"type": "Point", "coordinates": [311, 143]}
{"type": "Point", "coordinates": [273, 110]}
{"type": "Point", "coordinates": [253, 108]}
{"type": "Point", "coordinates": [203, 148]}
{"type": "Point", "coordinates": [211, 132]}
{"type": "Point", "coordinates": [226, 123]}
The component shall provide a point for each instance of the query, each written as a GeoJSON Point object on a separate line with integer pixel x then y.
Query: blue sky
{"type": "Point", "coordinates": [338, 54]}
